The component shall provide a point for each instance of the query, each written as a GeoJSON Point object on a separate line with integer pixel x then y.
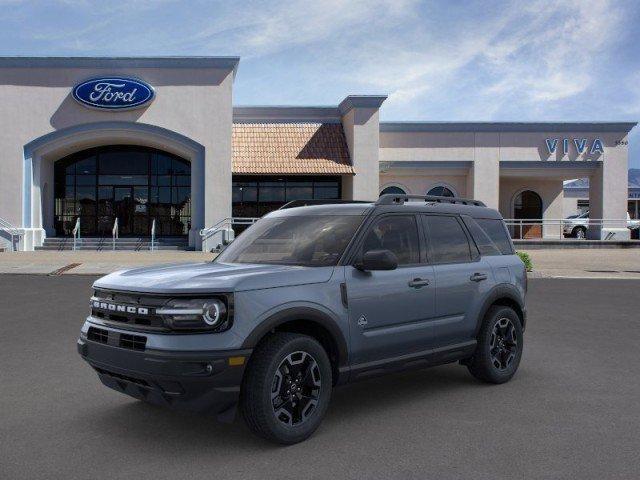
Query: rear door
{"type": "Point", "coordinates": [462, 277]}
{"type": "Point", "coordinates": [390, 311]}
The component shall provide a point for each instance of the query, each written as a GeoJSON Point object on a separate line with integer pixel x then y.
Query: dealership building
{"type": "Point", "coordinates": [158, 141]}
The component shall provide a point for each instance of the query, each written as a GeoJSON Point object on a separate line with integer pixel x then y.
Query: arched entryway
{"type": "Point", "coordinates": [133, 184]}
{"type": "Point", "coordinates": [527, 206]}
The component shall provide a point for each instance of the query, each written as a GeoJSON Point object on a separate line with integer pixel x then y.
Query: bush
{"type": "Point", "coordinates": [526, 259]}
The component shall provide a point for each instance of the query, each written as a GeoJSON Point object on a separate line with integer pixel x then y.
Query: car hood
{"type": "Point", "coordinates": [211, 277]}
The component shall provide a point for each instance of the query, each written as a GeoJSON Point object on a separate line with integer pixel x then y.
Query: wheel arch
{"type": "Point", "coordinates": [505, 295]}
{"type": "Point", "coordinates": [306, 321]}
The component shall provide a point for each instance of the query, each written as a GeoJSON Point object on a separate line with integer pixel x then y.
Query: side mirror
{"type": "Point", "coordinates": [378, 260]}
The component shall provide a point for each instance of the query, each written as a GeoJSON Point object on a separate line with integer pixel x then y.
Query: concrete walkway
{"type": "Point", "coordinates": [551, 263]}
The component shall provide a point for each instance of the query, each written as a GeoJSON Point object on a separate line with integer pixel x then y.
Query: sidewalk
{"type": "Point", "coordinates": [94, 263]}
{"type": "Point", "coordinates": [585, 263]}
{"type": "Point", "coordinates": [551, 263]}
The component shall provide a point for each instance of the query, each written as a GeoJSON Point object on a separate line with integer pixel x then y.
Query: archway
{"type": "Point", "coordinates": [527, 206]}
{"type": "Point", "coordinates": [41, 154]}
{"type": "Point", "coordinates": [135, 185]}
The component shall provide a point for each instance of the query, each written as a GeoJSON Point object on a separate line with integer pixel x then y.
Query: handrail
{"type": "Point", "coordinates": [153, 235]}
{"type": "Point", "coordinates": [548, 225]}
{"type": "Point", "coordinates": [12, 230]}
{"type": "Point", "coordinates": [76, 234]}
{"type": "Point", "coordinates": [114, 234]}
{"type": "Point", "coordinates": [206, 233]}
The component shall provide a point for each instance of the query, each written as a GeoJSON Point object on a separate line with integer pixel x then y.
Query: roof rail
{"type": "Point", "coordinates": [307, 203]}
{"type": "Point", "coordinates": [391, 199]}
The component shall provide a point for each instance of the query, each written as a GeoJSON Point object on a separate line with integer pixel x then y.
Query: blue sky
{"type": "Point", "coordinates": [437, 60]}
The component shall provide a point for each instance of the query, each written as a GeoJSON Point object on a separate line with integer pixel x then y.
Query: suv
{"type": "Point", "coordinates": [309, 298]}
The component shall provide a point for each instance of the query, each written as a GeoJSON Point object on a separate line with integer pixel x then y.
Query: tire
{"type": "Point", "coordinates": [580, 233]}
{"type": "Point", "coordinates": [281, 416]}
{"type": "Point", "coordinates": [496, 361]}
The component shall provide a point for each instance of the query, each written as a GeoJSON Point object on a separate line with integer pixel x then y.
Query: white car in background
{"type": "Point", "coordinates": [576, 225]}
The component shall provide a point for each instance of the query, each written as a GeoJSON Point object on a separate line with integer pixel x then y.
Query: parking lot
{"type": "Point", "coordinates": [572, 411]}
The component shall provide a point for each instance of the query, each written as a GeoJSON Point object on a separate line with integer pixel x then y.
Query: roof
{"type": "Point", "coordinates": [551, 127]}
{"type": "Point", "coordinates": [290, 148]}
{"type": "Point", "coordinates": [583, 183]}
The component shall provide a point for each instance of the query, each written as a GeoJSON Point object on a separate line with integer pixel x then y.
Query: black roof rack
{"type": "Point", "coordinates": [393, 199]}
{"type": "Point", "coordinates": [307, 203]}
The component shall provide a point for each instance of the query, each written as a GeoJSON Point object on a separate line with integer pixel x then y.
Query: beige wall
{"type": "Point", "coordinates": [550, 192]}
{"type": "Point", "coordinates": [194, 103]}
{"type": "Point", "coordinates": [420, 184]}
{"type": "Point", "coordinates": [361, 128]}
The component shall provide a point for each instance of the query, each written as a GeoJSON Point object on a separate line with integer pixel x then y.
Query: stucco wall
{"type": "Point", "coordinates": [193, 102]}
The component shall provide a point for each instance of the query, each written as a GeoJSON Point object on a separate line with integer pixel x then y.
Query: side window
{"type": "Point", "coordinates": [397, 233]}
{"type": "Point", "coordinates": [484, 243]}
{"type": "Point", "coordinates": [447, 239]}
{"type": "Point", "coordinates": [497, 232]}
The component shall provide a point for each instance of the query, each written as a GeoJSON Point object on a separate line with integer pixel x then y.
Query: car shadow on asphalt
{"type": "Point", "coordinates": [134, 421]}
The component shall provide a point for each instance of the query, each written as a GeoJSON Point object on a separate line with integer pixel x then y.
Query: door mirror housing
{"type": "Point", "coordinates": [377, 260]}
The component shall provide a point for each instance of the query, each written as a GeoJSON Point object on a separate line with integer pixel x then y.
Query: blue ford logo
{"type": "Point", "coordinates": [113, 93]}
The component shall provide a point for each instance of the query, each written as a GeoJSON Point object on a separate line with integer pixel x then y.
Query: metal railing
{"type": "Point", "coordinates": [225, 225]}
{"type": "Point", "coordinates": [114, 234]}
{"type": "Point", "coordinates": [12, 231]}
{"type": "Point", "coordinates": [76, 234]}
{"type": "Point", "coordinates": [152, 247]}
{"type": "Point", "coordinates": [561, 228]}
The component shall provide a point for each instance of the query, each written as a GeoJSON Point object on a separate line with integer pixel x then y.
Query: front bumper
{"type": "Point", "coordinates": [203, 381]}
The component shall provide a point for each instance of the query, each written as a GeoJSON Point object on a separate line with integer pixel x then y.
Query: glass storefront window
{"type": "Point", "coordinates": [133, 184]}
{"type": "Point", "coordinates": [257, 196]}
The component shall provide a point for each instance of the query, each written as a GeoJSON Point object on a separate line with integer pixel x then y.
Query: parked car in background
{"type": "Point", "coordinates": [576, 225]}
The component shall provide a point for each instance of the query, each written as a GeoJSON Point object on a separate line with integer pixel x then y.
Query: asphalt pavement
{"type": "Point", "coordinates": [572, 411]}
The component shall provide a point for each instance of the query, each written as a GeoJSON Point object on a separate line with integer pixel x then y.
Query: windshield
{"type": "Point", "coordinates": [313, 241]}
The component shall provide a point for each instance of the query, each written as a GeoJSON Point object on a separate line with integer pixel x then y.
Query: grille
{"type": "Point", "coordinates": [127, 309]}
{"type": "Point", "coordinates": [133, 342]}
{"type": "Point", "coordinates": [98, 335]}
{"type": "Point", "coordinates": [119, 376]}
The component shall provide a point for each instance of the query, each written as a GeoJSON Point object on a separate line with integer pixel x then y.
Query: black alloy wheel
{"type": "Point", "coordinates": [499, 348]}
{"type": "Point", "coordinates": [295, 389]}
{"type": "Point", "coordinates": [504, 344]}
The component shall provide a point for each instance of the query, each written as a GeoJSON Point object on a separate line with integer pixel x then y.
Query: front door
{"type": "Point", "coordinates": [390, 311]}
{"type": "Point", "coordinates": [130, 206]}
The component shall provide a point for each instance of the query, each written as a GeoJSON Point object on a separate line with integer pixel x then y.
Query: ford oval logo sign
{"type": "Point", "coordinates": [113, 93]}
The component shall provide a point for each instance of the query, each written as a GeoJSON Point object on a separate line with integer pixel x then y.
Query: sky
{"type": "Point", "coordinates": [436, 60]}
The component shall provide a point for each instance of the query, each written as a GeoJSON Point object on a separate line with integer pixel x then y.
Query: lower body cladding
{"type": "Point", "coordinates": [196, 381]}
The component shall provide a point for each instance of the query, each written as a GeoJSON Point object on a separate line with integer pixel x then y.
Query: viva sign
{"type": "Point", "coordinates": [581, 145]}
{"type": "Point", "coordinates": [113, 93]}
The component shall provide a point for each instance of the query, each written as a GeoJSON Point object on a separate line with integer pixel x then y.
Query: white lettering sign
{"type": "Point", "coordinates": [580, 144]}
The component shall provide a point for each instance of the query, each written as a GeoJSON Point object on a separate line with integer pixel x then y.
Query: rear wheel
{"type": "Point", "coordinates": [287, 387]}
{"type": "Point", "coordinates": [499, 349]}
{"type": "Point", "coordinates": [580, 233]}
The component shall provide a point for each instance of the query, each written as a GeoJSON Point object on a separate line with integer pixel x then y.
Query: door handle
{"type": "Point", "coordinates": [478, 277]}
{"type": "Point", "coordinates": [418, 282]}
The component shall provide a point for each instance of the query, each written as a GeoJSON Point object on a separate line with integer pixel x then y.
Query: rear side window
{"type": "Point", "coordinates": [496, 231]}
{"type": "Point", "coordinates": [447, 240]}
{"type": "Point", "coordinates": [484, 243]}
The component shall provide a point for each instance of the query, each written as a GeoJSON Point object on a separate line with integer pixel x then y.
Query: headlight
{"type": "Point", "coordinates": [200, 314]}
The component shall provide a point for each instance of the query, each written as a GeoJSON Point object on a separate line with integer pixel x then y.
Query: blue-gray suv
{"type": "Point", "coordinates": [309, 298]}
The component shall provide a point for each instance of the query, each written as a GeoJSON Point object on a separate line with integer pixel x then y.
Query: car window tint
{"type": "Point", "coordinates": [484, 243]}
{"type": "Point", "coordinates": [497, 232]}
{"type": "Point", "coordinates": [396, 233]}
{"type": "Point", "coordinates": [447, 239]}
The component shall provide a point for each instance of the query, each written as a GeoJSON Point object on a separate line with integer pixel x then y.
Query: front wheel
{"type": "Point", "coordinates": [499, 349]}
{"type": "Point", "coordinates": [287, 387]}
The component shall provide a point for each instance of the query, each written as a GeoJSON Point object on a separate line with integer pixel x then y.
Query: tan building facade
{"type": "Point", "coordinates": [78, 148]}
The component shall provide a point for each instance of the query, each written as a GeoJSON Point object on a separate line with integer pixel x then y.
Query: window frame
{"type": "Point", "coordinates": [355, 250]}
{"type": "Point", "coordinates": [474, 253]}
